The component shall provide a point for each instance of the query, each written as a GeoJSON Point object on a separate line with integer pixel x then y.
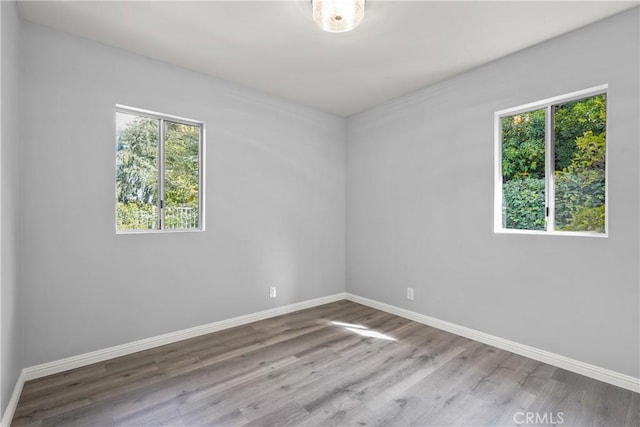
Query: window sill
{"type": "Point", "coordinates": [551, 233]}
{"type": "Point", "coordinates": [172, 231]}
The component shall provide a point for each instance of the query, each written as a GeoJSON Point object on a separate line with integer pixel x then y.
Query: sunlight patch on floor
{"type": "Point", "coordinates": [363, 331]}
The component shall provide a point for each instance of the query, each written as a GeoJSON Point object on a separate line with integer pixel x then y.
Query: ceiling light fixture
{"type": "Point", "coordinates": [338, 16]}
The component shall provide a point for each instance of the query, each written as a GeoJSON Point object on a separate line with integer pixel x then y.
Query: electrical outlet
{"type": "Point", "coordinates": [410, 293]}
{"type": "Point", "coordinates": [272, 292]}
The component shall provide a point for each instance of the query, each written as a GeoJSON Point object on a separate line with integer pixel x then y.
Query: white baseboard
{"type": "Point", "coordinates": [605, 375]}
{"type": "Point", "coordinates": [73, 362]}
{"type": "Point", "coordinates": [7, 417]}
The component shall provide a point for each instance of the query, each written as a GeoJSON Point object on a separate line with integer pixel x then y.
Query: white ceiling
{"type": "Point", "coordinates": [275, 47]}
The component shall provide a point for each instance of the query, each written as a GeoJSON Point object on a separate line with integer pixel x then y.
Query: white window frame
{"type": "Point", "coordinates": [161, 168]}
{"type": "Point", "coordinates": [549, 163]}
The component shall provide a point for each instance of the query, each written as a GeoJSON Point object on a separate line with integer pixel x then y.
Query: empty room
{"type": "Point", "coordinates": [320, 213]}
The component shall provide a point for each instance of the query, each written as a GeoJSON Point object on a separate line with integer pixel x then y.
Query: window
{"type": "Point", "coordinates": [158, 172]}
{"type": "Point", "coordinates": [551, 166]}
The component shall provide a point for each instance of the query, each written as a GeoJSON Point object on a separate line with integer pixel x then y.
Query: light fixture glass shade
{"type": "Point", "coordinates": [338, 16]}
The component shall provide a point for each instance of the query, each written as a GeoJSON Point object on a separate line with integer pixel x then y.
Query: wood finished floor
{"type": "Point", "coordinates": [302, 369]}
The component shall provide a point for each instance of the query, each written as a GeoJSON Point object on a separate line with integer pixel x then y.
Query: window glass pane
{"type": "Point", "coordinates": [182, 143]}
{"type": "Point", "coordinates": [523, 176]}
{"type": "Point", "coordinates": [580, 142]}
{"type": "Point", "coordinates": [136, 172]}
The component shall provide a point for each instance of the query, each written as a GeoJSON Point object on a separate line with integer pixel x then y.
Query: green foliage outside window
{"type": "Point", "coordinates": [137, 162]}
{"type": "Point", "coordinates": [181, 175]}
{"type": "Point", "coordinates": [523, 145]}
{"type": "Point", "coordinates": [137, 174]}
{"type": "Point", "coordinates": [579, 167]}
{"type": "Point", "coordinates": [523, 168]}
{"type": "Point", "coordinates": [524, 204]}
{"type": "Point", "coordinates": [573, 120]}
{"type": "Point", "coordinates": [580, 187]}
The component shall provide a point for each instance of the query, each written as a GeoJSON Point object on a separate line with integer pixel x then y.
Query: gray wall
{"type": "Point", "coordinates": [275, 202]}
{"type": "Point", "coordinates": [420, 205]}
{"type": "Point", "coordinates": [10, 310]}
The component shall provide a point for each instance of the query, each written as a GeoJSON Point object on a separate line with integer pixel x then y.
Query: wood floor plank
{"type": "Point", "coordinates": [214, 416]}
{"type": "Point", "coordinates": [291, 414]}
{"type": "Point", "coordinates": [43, 385]}
{"type": "Point", "coordinates": [85, 417]}
{"type": "Point", "coordinates": [398, 411]}
{"type": "Point", "coordinates": [633, 413]}
{"type": "Point", "coordinates": [169, 417]}
{"type": "Point", "coordinates": [340, 364]}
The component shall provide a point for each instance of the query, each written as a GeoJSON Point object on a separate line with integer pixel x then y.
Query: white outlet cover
{"type": "Point", "coordinates": [410, 293]}
{"type": "Point", "coordinates": [272, 292]}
